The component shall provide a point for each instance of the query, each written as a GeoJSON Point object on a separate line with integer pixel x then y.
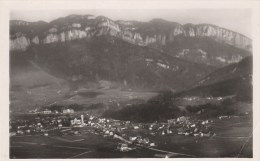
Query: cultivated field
{"type": "Point", "coordinates": [233, 139]}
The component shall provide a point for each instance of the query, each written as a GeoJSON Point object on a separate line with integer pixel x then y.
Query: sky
{"type": "Point", "coordinates": [238, 20]}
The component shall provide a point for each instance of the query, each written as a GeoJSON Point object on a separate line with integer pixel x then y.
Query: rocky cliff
{"type": "Point", "coordinates": [156, 33]}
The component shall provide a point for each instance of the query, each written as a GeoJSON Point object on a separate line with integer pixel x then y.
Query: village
{"type": "Point", "coordinates": [129, 134]}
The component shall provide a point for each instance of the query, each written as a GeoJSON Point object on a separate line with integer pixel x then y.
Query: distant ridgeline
{"type": "Point", "coordinates": [144, 55]}
{"type": "Point", "coordinates": [203, 43]}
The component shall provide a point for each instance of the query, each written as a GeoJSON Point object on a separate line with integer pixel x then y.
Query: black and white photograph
{"type": "Point", "coordinates": [100, 83]}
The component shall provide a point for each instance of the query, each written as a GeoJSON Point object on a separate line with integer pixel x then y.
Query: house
{"type": "Point", "coordinates": [136, 127]}
{"type": "Point", "coordinates": [163, 133]}
{"type": "Point", "coordinates": [169, 131]}
{"type": "Point", "coordinates": [182, 119]}
{"type": "Point", "coordinates": [76, 122]}
{"type": "Point", "coordinates": [146, 140]}
{"type": "Point", "coordinates": [132, 138]}
{"type": "Point", "coordinates": [68, 111]}
{"type": "Point", "coordinates": [152, 144]}
{"type": "Point", "coordinates": [123, 147]}
{"type": "Point", "coordinates": [56, 111]}
{"type": "Point", "coordinates": [20, 132]}
{"type": "Point", "coordinates": [172, 122]}
{"type": "Point", "coordinates": [47, 111]}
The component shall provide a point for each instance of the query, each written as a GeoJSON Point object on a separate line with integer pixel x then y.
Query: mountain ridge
{"type": "Point", "coordinates": [234, 79]}
{"type": "Point", "coordinates": [24, 22]}
{"type": "Point", "coordinates": [157, 33]}
{"type": "Point", "coordinates": [116, 60]}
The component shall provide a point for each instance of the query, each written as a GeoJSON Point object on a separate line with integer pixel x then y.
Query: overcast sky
{"type": "Point", "coordinates": [238, 20]}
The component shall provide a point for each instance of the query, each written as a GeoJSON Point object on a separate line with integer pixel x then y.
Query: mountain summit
{"type": "Point", "coordinates": [202, 43]}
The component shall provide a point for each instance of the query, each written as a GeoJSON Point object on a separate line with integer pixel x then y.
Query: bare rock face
{"type": "Point", "coordinates": [36, 40]}
{"type": "Point", "coordinates": [156, 33]}
{"type": "Point", "coordinates": [109, 28]}
{"type": "Point", "coordinates": [127, 31]}
{"type": "Point", "coordinates": [159, 39]}
{"type": "Point", "coordinates": [217, 33]}
{"type": "Point", "coordinates": [65, 36]}
{"type": "Point", "coordinates": [75, 34]}
{"type": "Point", "coordinates": [177, 31]}
{"type": "Point", "coordinates": [150, 40]}
{"type": "Point", "coordinates": [51, 38]}
{"type": "Point", "coordinates": [223, 35]}
{"type": "Point", "coordinates": [109, 24]}
{"type": "Point", "coordinates": [189, 30]}
{"type": "Point", "coordinates": [20, 43]}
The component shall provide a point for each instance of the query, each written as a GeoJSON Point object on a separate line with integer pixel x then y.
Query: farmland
{"type": "Point", "coordinates": [233, 139]}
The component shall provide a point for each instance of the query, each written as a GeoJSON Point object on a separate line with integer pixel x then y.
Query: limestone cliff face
{"type": "Point", "coordinates": [127, 31]}
{"type": "Point", "coordinates": [217, 33]}
{"type": "Point", "coordinates": [65, 36]}
{"type": "Point", "coordinates": [19, 44]}
{"type": "Point", "coordinates": [36, 40]}
{"type": "Point", "coordinates": [223, 35]}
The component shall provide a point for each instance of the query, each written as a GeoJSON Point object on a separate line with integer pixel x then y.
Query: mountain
{"type": "Point", "coordinates": [240, 69]}
{"type": "Point", "coordinates": [26, 74]}
{"type": "Point", "coordinates": [154, 55]}
{"type": "Point", "coordinates": [31, 86]}
{"type": "Point", "coordinates": [202, 43]}
{"type": "Point", "coordinates": [235, 79]}
{"type": "Point", "coordinates": [49, 73]}
{"type": "Point", "coordinates": [49, 61]}
{"type": "Point", "coordinates": [114, 60]}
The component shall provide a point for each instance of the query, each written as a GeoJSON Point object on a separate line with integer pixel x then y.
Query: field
{"type": "Point", "coordinates": [83, 146]}
{"type": "Point", "coordinates": [31, 98]}
{"type": "Point", "coordinates": [106, 96]}
{"type": "Point", "coordinates": [233, 139]}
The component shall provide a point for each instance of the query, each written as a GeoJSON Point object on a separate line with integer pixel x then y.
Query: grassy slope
{"type": "Point", "coordinates": [235, 79]}
{"type": "Point", "coordinates": [106, 58]}
{"type": "Point", "coordinates": [30, 85]}
{"type": "Point", "coordinates": [223, 82]}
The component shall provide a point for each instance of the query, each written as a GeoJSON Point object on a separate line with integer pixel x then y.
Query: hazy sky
{"type": "Point", "coordinates": [238, 20]}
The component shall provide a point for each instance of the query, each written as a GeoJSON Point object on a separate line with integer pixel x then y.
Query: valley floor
{"type": "Point", "coordinates": [233, 139]}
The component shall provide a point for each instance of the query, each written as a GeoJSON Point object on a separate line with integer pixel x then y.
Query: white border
{"type": "Point", "coordinates": [7, 6]}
